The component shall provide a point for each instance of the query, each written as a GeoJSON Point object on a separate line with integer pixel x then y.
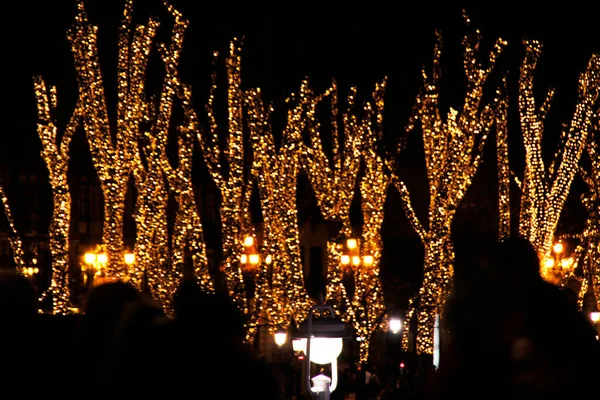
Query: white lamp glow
{"type": "Point", "coordinates": [395, 325]}
{"type": "Point", "coordinates": [280, 338]}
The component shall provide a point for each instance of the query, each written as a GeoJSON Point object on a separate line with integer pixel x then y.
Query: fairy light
{"type": "Point", "coordinates": [187, 231]}
{"type": "Point", "coordinates": [236, 188]}
{"type": "Point", "coordinates": [15, 241]}
{"type": "Point", "coordinates": [453, 150]}
{"type": "Point", "coordinates": [55, 153]}
{"type": "Point", "coordinates": [113, 159]}
{"type": "Point", "coordinates": [544, 192]}
{"type": "Point", "coordinates": [334, 184]}
{"type": "Point", "coordinates": [503, 165]}
{"type": "Point", "coordinates": [152, 243]}
{"type": "Point", "coordinates": [588, 250]}
{"type": "Point", "coordinates": [276, 172]}
{"type": "Point", "coordinates": [368, 302]}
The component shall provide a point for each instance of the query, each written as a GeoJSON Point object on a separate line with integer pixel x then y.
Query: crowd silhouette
{"type": "Point", "coordinates": [508, 334]}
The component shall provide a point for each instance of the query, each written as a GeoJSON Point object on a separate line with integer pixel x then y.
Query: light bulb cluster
{"type": "Point", "coordinates": [453, 150]}
{"type": "Point", "coordinates": [544, 191]}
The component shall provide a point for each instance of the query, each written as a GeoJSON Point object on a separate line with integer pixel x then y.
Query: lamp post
{"type": "Point", "coordinates": [395, 325]}
{"type": "Point", "coordinates": [352, 255]}
{"type": "Point", "coordinates": [94, 266]}
{"type": "Point", "coordinates": [321, 340]}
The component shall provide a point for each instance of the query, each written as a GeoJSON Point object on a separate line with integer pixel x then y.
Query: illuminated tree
{"type": "Point", "coordinates": [55, 153]}
{"type": "Point", "coordinates": [112, 154]}
{"type": "Point", "coordinates": [334, 183]}
{"type": "Point", "coordinates": [16, 244]}
{"type": "Point", "coordinates": [187, 231]}
{"type": "Point", "coordinates": [503, 166]}
{"type": "Point", "coordinates": [280, 281]}
{"type": "Point", "coordinates": [587, 253]}
{"type": "Point", "coordinates": [543, 193]}
{"type": "Point", "coordinates": [152, 242]}
{"type": "Point", "coordinates": [453, 149]}
{"type": "Point", "coordinates": [368, 302]}
{"type": "Point", "coordinates": [230, 178]}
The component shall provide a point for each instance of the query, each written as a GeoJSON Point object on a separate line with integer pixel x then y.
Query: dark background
{"type": "Point", "coordinates": [357, 43]}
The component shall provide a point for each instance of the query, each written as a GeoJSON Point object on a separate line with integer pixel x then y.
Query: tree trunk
{"type": "Point", "coordinates": [437, 280]}
{"type": "Point", "coordinates": [112, 232]}
{"type": "Point", "coordinates": [59, 247]}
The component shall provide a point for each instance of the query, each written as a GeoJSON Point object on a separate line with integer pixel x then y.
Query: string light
{"type": "Point", "coordinates": [56, 157]}
{"type": "Point", "coordinates": [334, 185]}
{"type": "Point", "coordinates": [276, 173]}
{"type": "Point", "coordinates": [112, 158]}
{"type": "Point", "coordinates": [503, 166]}
{"type": "Point", "coordinates": [152, 243]}
{"type": "Point", "coordinates": [15, 241]}
{"type": "Point", "coordinates": [543, 193]}
{"type": "Point", "coordinates": [188, 226]}
{"type": "Point", "coordinates": [587, 252]}
{"type": "Point", "coordinates": [453, 150]}
{"type": "Point", "coordinates": [236, 188]}
{"type": "Point", "coordinates": [368, 302]}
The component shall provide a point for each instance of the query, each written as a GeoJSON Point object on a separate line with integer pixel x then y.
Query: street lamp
{"type": "Point", "coordinates": [129, 259]}
{"type": "Point", "coordinates": [324, 347]}
{"type": "Point", "coordinates": [250, 259]}
{"type": "Point", "coordinates": [280, 337]}
{"type": "Point", "coordinates": [395, 325]}
{"type": "Point", "coordinates": [353, 255]}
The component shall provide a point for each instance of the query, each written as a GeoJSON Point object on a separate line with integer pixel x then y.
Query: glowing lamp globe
{"type": "Point", "coordinates": [395, 325]}
{"type": "Point", "coordinates": [325, 350]}
{"type": "Point", "coordinates": [89, 258]}
{"type": "Point", "coordinates": [595, 316]}
{"type": "Point", "coordinates": [280, 338]}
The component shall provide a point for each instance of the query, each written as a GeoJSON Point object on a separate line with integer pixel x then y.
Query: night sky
{"type": "Point", "coordinates": [357, 45]}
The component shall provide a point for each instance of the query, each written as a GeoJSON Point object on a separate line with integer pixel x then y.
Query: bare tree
{"type": "Point", "coordinates": [334, 184]}
{"type": "Point", "coordinates": [55, 153]}
{"type": "Point", "coordinates": [453, 149]}
{"type": "Point", "coordinates": [368, 302]}
{"type": "Point", "coordinates": [112, 155]}
{"type": "Point", "coordinates": [187, 231]}
{"type": "Point", "coordinates": [16, 244]}
{"type": "Point", "coordinates": [280, 281]}
{"type": "Point", "coordinates": [543, 193]}
{"type": "Point", "coordinates": [230, 177]}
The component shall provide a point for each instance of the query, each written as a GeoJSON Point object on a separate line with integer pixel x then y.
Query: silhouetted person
{"type": "Point", "coordinates": [104, 310]}
{"type": "Point", "coordinates": [205, 350]}
{"type": "Point", "coordinates": [514, 335]}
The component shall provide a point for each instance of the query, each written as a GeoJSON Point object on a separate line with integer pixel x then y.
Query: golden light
{"type": "Point", "coordinates": [29, 271]}
{"type": "Point", "coordinates": [558, 248]}
{"type": "Point", "coordinates": [355, 260]}
{"type": "Point", "coordinates": [268, 259]}
{"type": "Point", "coordinates": [345, 259]}
{"type": "Point", "coordinates": [595, 316]}
{"type": "Point", "coordinates": [129, 258]}
{"type": "Point", "coordinates": [36, 270]}
{"type": "Point", "coordinates": [89, 258]}
{"type": "Point", "coordinates": [280, 338]}
{"type": "Point", "coordinates": [548, 263]}
{"type": "Point", "coordinates": [248, 241]}
{"type": "Point", "coordinates": [351, 244]}
{"type": "Point", "coordinates": [368, 260]}
{"type": "Point", "coordinates": [34, 261]}
{"type": "Point", "coordinates": [102, 258]}
{"type": "Point", "coordinates": [254, 259]}
{"type": "Point", "coordinates": [243, 259]}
